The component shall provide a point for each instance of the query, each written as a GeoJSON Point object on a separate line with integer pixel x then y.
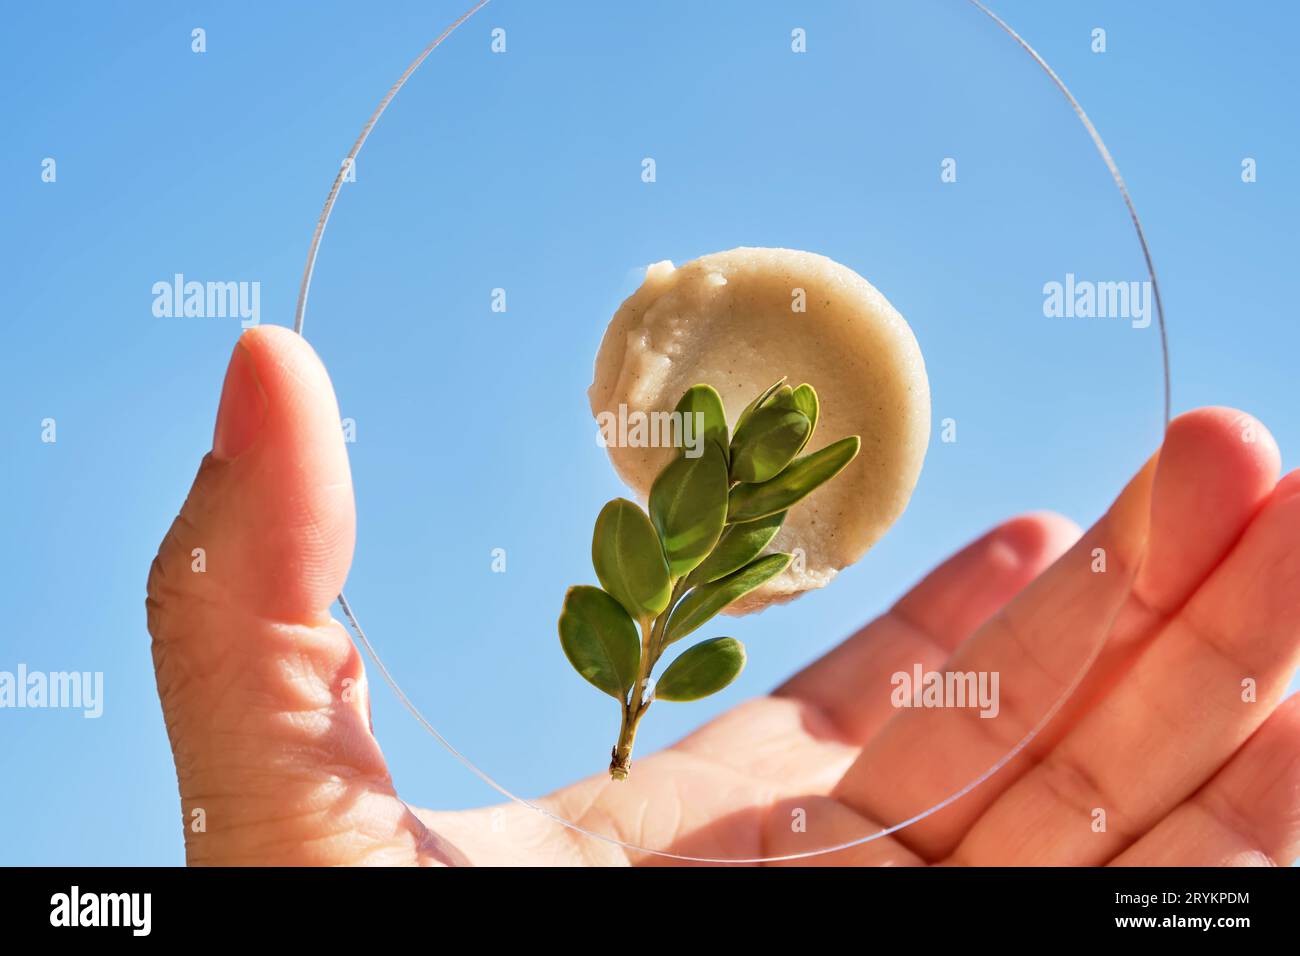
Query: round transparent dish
{"type": "Point", "coordinates": [507, 203]}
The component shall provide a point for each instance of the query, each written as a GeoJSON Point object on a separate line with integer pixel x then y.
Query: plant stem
{"type": "Point", "coordinates": [634, 708]}
{"type": "Point", "coordinates": [620, 758]}
{"type": "Point", "coordinates": [661, 623]}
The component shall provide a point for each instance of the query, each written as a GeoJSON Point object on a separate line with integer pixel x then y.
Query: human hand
{"type": "Point", "coordinates": [251, 669]}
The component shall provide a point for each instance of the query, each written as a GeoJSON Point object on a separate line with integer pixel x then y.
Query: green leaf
{"type": "Point", "coordinates": [805, 399]}
{"type": "Point", "coordinates": [629, 559]}
{"type": "Point", "coordinates": [706, 600]}
{"type": "Point", "coordinates": [783, 397]}
{"type": "Point", "coordinates": [759, 402]}
{"type": "Point", "coordinates": [767, 442]}
{"type": "Point", "coordinates": [800, 478]}
{"type": "Point", "coordinates": [688, 506]}
{"type": "Point", "coordinates": [703, 670]}
{"type": "Point", "coordinates": [600, 640]}
{"type": "Point", "coordinates": [705, 400]}
{"type": "Point", "coordinates": [739, 544]}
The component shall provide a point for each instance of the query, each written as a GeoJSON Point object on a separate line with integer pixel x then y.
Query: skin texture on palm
{"type": "Point", "coordinates": [267, 708]}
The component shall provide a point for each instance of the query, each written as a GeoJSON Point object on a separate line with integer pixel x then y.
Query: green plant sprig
{"type": "Point", "coordinates": [665, 574]}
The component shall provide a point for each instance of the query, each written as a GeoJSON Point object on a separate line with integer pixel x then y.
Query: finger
{"type": "Point", "coordinates": [1247, 815]}
{"type": "Point", "coordinates": [851, 684]}
{"type": "Point", "coordinates": [1211, 678]}
{"type": "Point", "coordinates": [1188, 507]}
{"type": "Point", "coordinates": [262, 693]}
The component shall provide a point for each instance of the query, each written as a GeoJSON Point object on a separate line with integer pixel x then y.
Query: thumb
{"type": "Point", "coordinates": [263, 693]}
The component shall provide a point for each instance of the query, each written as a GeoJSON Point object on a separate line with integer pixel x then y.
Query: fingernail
{"type": "Point", "coordinates": [242, 408]}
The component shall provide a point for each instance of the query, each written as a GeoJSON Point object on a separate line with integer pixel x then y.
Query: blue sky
{"type": "Point", "coordinates": [522, 171]}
